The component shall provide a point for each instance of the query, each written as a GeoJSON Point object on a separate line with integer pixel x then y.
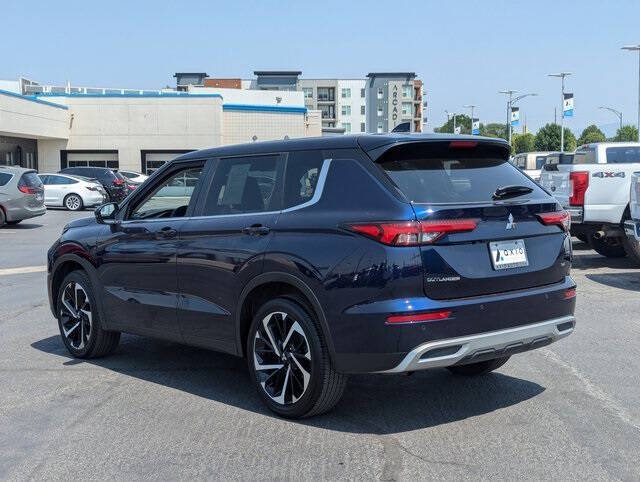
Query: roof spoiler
{"type": "Point", "coordinates": [497, 147]}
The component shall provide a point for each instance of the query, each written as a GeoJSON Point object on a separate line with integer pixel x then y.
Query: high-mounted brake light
{"type": "Point", "coordinates": [580, 183]}
{"type": "Point", "coordinates": [412, 233]}
{"type": "Point", "coordinates": [559, 218]}
{"type": "Point", "coordinates": [462, 144]}
{"type": "Point", "coordinates": [420, 317]}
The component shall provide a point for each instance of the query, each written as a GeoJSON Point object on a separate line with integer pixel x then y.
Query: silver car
{"type": "Point", "coordinates": [21, 195]}
{"type": "Point", "coordinates": [72, 192]}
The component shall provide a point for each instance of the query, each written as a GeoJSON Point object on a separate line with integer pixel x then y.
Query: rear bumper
{"type": "Point", "coordinates": [484, 346]}
{"type": "Point", "coordinates": [576, 213]}
{"type": "Point", "coordinates": [632, 229]}
{"type": "Point", "coordinates": [18, 213]}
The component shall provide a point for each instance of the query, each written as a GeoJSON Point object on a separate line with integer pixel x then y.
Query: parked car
{"type": "Point", "coordinates": [632, 226]}
{"type": "Point", "coordinates": [72, 192]}
{"type": "Point", "coordinates": [113, 182]}
{"type": "Point", "coordinates": [595, 188]}
{"type": "Point", "coordinates": [134, 177]}
{"type": "Point", "coordinates": [531, 163]}
{"type": "Point", "coordinates": [445, 255]}
{"type": "Point", "coordinates": [21, 195]}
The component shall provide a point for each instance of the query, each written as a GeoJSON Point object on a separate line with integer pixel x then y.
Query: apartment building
{"type": "Point", "coordinates": [394, 98]}
{"type": "Point", "coordinates": [340, 101]}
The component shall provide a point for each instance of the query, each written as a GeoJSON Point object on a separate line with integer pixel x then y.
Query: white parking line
{"type": "Point", "coordinates": [22, 270]}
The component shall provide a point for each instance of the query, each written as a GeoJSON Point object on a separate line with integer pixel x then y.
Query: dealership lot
{"type": "Point", "coordinates": [161, 410]}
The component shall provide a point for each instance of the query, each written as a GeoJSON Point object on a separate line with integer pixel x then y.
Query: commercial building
{"type": "Point", "coordinates": [394, 98]}
{"type": "Point", "coordinates": [52, 127]}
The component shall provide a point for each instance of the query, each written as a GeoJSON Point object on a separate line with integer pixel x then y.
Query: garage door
{"type": "Point", "coordinates": [93, 159]}
{"type": "Point", "coordinates": [155, 160]}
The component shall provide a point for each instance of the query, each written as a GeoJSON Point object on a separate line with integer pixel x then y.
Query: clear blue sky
{"type": "Point", "coordinates": [464, 51]}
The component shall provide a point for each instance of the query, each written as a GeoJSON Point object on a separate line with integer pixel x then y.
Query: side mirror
{"type": "Point", "coordinates": [106, 213]}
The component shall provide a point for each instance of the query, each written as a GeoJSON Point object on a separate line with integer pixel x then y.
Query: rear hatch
{"type": "Point", "coordinates": [32, 188]}
{"type": "Point", "coordinates": [486, 227]}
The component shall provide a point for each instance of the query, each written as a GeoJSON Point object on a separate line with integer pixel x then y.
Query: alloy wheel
{"type": "Point", "coordinates": [75, 315]}
{"type": "Point", "coordinates": [73, 202]}
{"type": "Point", "coordinates": [282, 358]}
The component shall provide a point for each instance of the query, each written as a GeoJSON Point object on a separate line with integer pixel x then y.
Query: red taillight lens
{"type": "Point", "coordinates": [28, 189]}
{"type": "Point", "coordinates": [580, 182]}
{"type": "Point", "coordinates": [570, 293]}
{"type": "Point", "coordinates": [559, 218]}
{"type": "Point", "coordinates": [420, 317]}
{"type": "Point", "coordinates": [412, 233]}
{"type": "Point", "coordinates": [118, 182]}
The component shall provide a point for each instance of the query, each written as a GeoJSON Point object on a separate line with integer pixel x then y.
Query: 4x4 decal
{"type": "Point", "coordinates": [603, 174]}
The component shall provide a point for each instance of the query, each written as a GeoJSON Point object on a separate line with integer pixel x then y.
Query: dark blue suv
{"type": "Point", "coordinates": [318, 258]}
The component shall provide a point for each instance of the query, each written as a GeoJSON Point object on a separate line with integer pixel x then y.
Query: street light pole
{"type": "Point", "coordinates": [454, 119]}
{"type": "Point", "coordinates": [510, 94]}
{"type": "Point", "coordinates": [616, 112]}
{"type": "Point", "coordinates": [636, 48]}
{"type": "Point", "coordinates": [472, 107]}
{"type": "Point", "coordinates": [562, 75]}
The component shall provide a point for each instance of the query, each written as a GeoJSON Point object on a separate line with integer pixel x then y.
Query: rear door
{"type": "Point", "coordinates": [479, 240]}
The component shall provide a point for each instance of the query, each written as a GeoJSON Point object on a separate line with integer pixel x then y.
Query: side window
{"type": "Point", "coordinates": [540, 161]}
{"type": "Point", "coordinates": [4, 178]}
{"type": "Point", "coordinates": [244, 185]}
{"type": "Point", "coordinates": [301, 177]}
{"type": "Point", "coordinates": [171, 198]}
{"type": "Point", "coordinates": [623, 155]}
{"type": "Point", "coordinates": [44, 179]}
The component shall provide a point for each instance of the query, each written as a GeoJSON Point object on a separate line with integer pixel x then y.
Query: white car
{"type": "Point", "coordinates": [72, 192]}
{"type": "Point", "coordinates": [594, 187]}
{"type": "Point", "coordinates": [134, 177]}
{"type": "Point", "coordinates": [530, 162]}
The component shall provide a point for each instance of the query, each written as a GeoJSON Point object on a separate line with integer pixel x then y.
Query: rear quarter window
{"type": "Point", "coordinates": [585, 156]}
{"type": "Point", "coordinates": [5, 178]}
{"type": "Point", "coordinates": [31, 179]}
{"type": "Point", "coordinates": [441, 176]}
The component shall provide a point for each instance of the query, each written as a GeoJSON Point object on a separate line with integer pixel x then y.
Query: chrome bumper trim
{"type": "Point", "coordinates": [501, 341]}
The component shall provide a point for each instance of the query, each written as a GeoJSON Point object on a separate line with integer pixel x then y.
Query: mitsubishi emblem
{"type": "Point", "coordinates": [510, 223]}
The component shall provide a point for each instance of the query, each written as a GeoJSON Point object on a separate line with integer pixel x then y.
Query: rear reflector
{"type": "Point", "coordinates": [412, 233]}
{"type": "Point", "coordinates": [570, 293]}
{"type": "Point", "coordinates": [580, 182]}
{"type": "Point", "coordinates": [559, 218]}
{"type": "Point", "coordinates": [462, 144]}
{"type": "Point", "coordinates": [417, 318]}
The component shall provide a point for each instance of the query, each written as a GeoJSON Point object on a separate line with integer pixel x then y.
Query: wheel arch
{"type": "Point", "coordinates": [281, 285]}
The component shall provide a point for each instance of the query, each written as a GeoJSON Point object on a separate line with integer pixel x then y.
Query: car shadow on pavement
{"type": "Point", "coordinates": [594, 261]}
{"type": "Point", "coordinates": [624, 281]}
{"type": "Point", "coordinates": [374, 404]}
{"type": "Point", "coordinates": [22, 226]}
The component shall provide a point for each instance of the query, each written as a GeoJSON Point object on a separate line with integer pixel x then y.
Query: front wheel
{"type": "Point", "coordinates": [289, 361]}
{"type": "Point", "coordinates": [608, 247]}
{"type": "Point", "coordinates": [480, 368]}
{"type": "Point", "coordinates": [73, 202]}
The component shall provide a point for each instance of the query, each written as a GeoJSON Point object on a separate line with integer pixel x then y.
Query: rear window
{"type": "Point", "coordinates": [30, 179]}
{"type": "Point", "coordinates": [540, 161]}
{"type": "Point", "coordinates": [585, 155]}
{"type": "Point", "coordinates": [4, 178]}
{"type": "Point", "coordinates": [452, 176]}
{"type": "Point", "coordinates": [623, 155]}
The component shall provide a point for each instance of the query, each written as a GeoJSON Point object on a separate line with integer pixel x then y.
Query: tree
{"type": "Point", "coordinates": [627, 134]}
{"type": "Point", "coordinates": [494, 130]}
{"type": "Point", "coordinates": [461, 120]}
{"type": "Point", "coordinates": [548, 139]}
{"type": "Point", "coordinates": [591, 134]}
{"type": "Point", "coordinates": [523, 142]}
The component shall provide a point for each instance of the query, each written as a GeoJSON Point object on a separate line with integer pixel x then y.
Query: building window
{"type": "Point", "coordinates": [347, 126]}
{"type": "Point", "coordinates": [346, 93]}
{"type": "Point", "coordinates": [380, 112]}
{"type": "Point", "coordinates": [407, 107]}
{"type": "Point", "coordinates": [362, 93]}
{"type": "Point", "coordinates": [328, 111]}
{"type": "Point", "coordinates": [380, 127]}
{"type": "Point", "coordinates": [326, 94]}
{"type": "Point", "coordinates": [362, 127]}
{"type": "Point", "coordinates": [380, 92]}
{"type": "Point", "coordinates": [346, 110]}
{"type": "Point", "coordinates": [361, 110]}
{"type": "Point", "coordinates": [330, 124]}
{"type": "Point", "coordinates": [407, 91]}
{"type": "Point", "coordinates": [308, 92]}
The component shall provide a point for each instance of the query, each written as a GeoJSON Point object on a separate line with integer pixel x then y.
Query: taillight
{"type": "Point", "coordinates": [580, 182]}
{"type": "Point", "coordinates": [28, 189]}
{"type": "Point", "coordinates": [413, 233]}
{"type": "Point", "coordinates": [570, 293]}
{"type": "Point", "coordinates": [559, 218]}
{"type": "Point", "coordinates": [118, 182]}
{"type": "Point", "coordinates": [419, 317]}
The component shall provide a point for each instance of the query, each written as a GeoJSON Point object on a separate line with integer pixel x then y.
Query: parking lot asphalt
{"type": "Point", "coordinates": [159, 410]}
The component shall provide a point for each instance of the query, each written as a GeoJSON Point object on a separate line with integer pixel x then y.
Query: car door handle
{"type": "Point", "coordinates": [256, 229]}
{"type": "Point", "coordinates": [166, 233]}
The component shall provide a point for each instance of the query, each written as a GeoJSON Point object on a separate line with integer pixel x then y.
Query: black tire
{"type": "Point", "coordinates": [632, 248]}
{"type": "Point", "coordinates": [13, 223]}
{"type": "Point", "coordinates": [480, 368]}
{"type": "Point", "coordinates": [98, 342]}
{"type": "Point", "coordinates": [73, 202]}
{"type": "Point", "coordinates": [609, 247]}
{"type": "Point", "coordinates": [306, 352]}
{"type": "Point", "coordinates": [3, 219]}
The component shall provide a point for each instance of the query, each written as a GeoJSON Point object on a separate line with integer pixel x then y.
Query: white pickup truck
{"type": "Point", "coordinates": [595, 188]}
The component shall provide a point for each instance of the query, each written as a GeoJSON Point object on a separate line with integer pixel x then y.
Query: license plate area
{"type": "Point", "coordinates": [508, 254]}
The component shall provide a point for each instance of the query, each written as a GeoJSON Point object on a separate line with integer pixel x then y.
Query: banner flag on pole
{"type": "Point", "coordinates": [475, 126]}
{"type": "Point", "coordinates": [515, 116]}
{"type": "Point", "coordinates": [457, 130]}
{"type": "Point", "coordinates": [567, 105]}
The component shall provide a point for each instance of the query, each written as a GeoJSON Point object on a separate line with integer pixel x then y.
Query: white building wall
{"type": "Point", "coordinates": [254, 97]}
{"type": "Point", "coordinates": [355, 102]}
{"type": "Point", "coordinates": [242, 126]}
{"type": "Point", "coordinates": [23, 117]}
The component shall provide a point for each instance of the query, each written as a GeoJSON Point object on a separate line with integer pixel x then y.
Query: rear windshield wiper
{"type": "Point", "coordinates": [510, 191]}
